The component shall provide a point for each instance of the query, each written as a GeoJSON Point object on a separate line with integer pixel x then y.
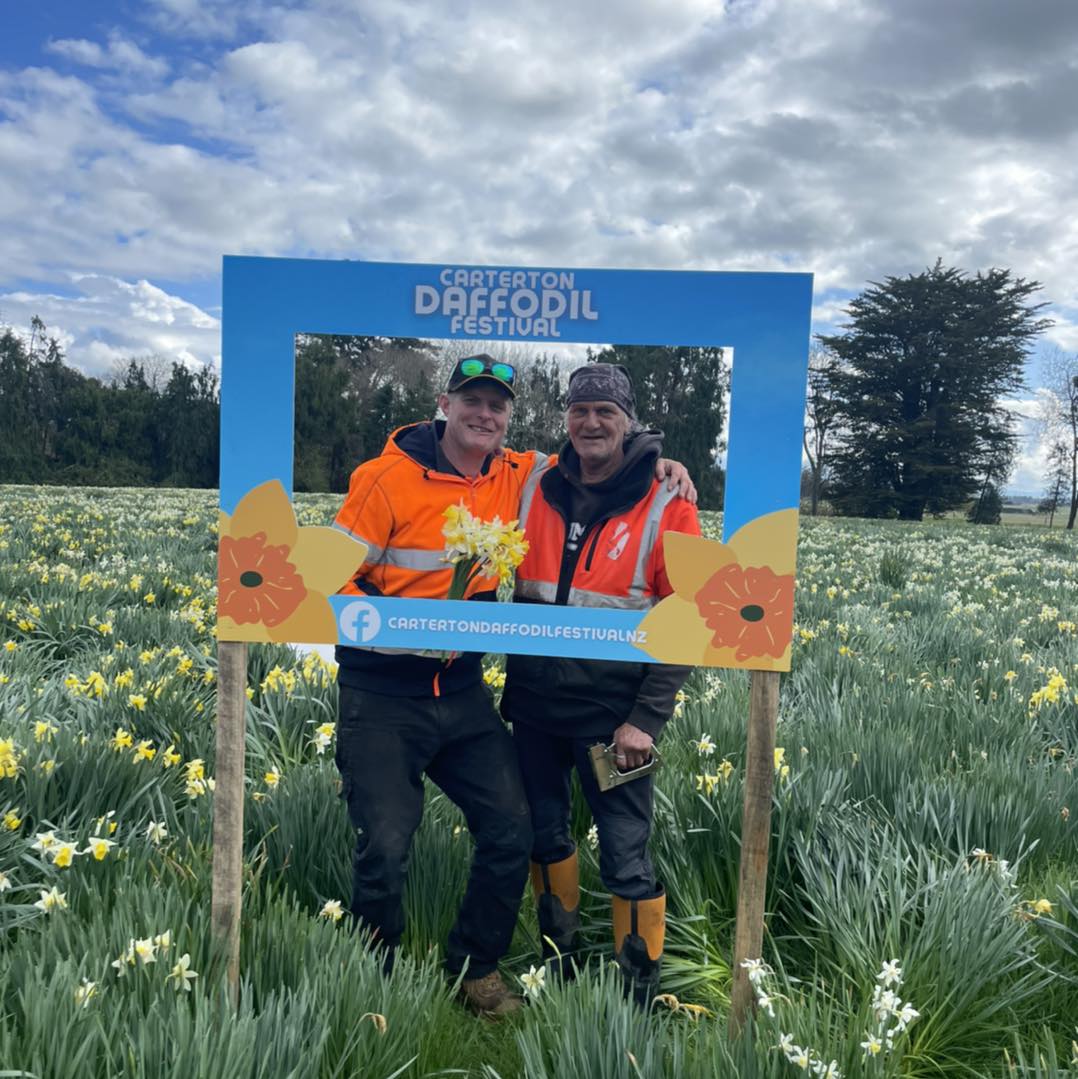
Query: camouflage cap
{"type": "Point", "coordinates": [603, 382]}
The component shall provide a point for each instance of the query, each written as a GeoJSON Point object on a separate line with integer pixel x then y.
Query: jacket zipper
{"type": "Point", "coordinates": [570, 559]}
{"type": "Point", "coordinates": [591, 549]}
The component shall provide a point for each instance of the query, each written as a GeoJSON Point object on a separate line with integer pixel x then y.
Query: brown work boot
{"type": "Point", "coordinates": [489, 996]}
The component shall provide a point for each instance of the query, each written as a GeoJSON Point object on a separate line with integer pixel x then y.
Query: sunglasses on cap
{"type": "Point", "coordinates": [479, 367]}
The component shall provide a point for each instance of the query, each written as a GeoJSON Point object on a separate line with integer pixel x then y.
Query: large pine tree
{"type": "Point", "coordinates": [925, 363]}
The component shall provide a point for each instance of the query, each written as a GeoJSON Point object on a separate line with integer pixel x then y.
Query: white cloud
{"type": "Point", "coordinates": [855, 141]}
{"type": "Point", "coordinates": [1064, 333]}
{"type": "Point", "coordinates": [1031, 461]}
{"type": "Point", "coordinates": [110, 321]}
{"type": "Point", "coordinates": [121, 55]}
{"type": "Point", "coordinates": [204, 19]}
{"type": "Point", "coordinates": [829, 313]}
{"type": "Point", "coordinates": [80, 51]}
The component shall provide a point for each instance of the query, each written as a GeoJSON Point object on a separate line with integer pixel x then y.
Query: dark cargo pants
{"type": "Point", "coordinates": [622, 815]}
{"type": "Point", "coordinates": [384, 745]}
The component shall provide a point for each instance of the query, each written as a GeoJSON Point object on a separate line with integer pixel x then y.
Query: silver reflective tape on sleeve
{"type": "Point", "coordinates": [531, 486]}
{"type": "Point", "coordinates": [417, 558]}
{"type": "Point", "coordinates": [663, 498]}
{"type": "Point", "coordinates": [543, 591]}
{"type": "Point", "coordinates": [374, 552]}
{"type": "Point", "coordinates": [581, 597]}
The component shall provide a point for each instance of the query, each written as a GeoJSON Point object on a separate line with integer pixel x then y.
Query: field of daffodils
{"type": "Point", "coordinates": [923, 900]}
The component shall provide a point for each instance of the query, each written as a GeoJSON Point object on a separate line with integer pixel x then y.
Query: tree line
{"type": "Point", "coordinates": [145, 426]}
{"type": "Point", "coordinates": [150, 424]}
{"type": "Point", "coordinates": [905, 412]}
{"type": "Point", "coordinates": [352, 392]}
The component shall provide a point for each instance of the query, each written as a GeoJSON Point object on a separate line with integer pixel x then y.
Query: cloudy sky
{"type": "Point", "coordinates": [142, 139]}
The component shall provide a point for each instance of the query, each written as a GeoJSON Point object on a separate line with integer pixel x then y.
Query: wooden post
{"type": "Point", "coordinates": [228, 807]}
{"type": "Point", "coordinates": [755, 840]}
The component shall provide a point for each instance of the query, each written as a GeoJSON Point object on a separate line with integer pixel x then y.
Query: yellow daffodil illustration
{"type": "Point", "coordinates": [274, 576]}
{"type": "Point", "coordinates": [733, 603]}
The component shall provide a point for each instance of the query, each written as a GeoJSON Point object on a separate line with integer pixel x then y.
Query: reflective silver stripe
{"type": "Point", "coordinates": [663, 498]}
{"type": "Point", "coordinates": [546, 592]}
{"type": "Point", "coordinates": [532, 485]}
{"type": "Point", "coordinates": [543, 591]}
{"type": "Point", "coordinates": [418, 558]}
{"type": "Point", "coordinates": [639, 598]}
{"type": "Point", "coordinates": [374, 552]}
{"type": "Point", "coordinates": [581, 597]}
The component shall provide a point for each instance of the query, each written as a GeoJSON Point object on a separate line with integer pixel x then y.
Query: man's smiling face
{"type": "Point", "coordinates": [476, 417]}
{"type": "Point", "coordinates": [597, 430]}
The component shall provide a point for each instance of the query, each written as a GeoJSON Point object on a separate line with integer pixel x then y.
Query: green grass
{"type": "Point", "coordinates": [906, 727]}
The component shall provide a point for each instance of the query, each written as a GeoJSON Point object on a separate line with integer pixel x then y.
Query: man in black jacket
{"type": "Point", "coordinates": [595, 527]}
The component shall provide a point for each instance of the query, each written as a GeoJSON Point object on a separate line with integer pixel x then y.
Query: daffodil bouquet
{"type": "Point", "coordinates": [478, 548]}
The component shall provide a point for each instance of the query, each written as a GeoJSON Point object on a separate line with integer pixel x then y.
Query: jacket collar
{"type": "Point", "coordinates": [419, 442]}
{"type": "Point", "coordinates": [618, 493]}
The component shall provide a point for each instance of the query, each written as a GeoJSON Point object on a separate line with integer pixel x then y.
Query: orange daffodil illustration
{"type": "Point", "coordinates": [748, 609]}
{"type": "Point", "coordinates": [273, 576]}
{"type": "Point", "coordinates": [733, 603]}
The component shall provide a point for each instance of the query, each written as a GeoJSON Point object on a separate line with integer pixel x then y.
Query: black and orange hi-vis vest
{"type": "Point", "coordinates": [619, 562]}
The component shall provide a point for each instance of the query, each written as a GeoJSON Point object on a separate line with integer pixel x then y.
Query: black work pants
{"type": "Point", "coordinates": [622, 815]}
{"type": "Point", "coordinates": [384, 745]}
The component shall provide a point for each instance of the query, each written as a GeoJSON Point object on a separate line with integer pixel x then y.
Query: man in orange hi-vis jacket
{"type": "Point", "coordinates": [403, 715]}
{"type": "Point", "coordinates": [595, 527]}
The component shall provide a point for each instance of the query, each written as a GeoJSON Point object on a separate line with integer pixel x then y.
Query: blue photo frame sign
{"type": "Point", "coordinates": [763, 317]}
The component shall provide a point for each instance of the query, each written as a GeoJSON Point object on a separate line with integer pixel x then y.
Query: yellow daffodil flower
{"type": "Point", "coordinates": [44, 730]}
{"type": "Point", "coordinates": [51, 900]}
{"type": "Point", "coordinates": [144, 751]}
{"type": "Point", "coordinates": [63, 854]}
{"type": "Point", "coordinates": [332, 910]}
{"type": "Point", "coordinates": [145, 951]}
{"type": "Point", "coordinates": [9, 758]}
{"type": "Point", "coordinates": [99, 847]}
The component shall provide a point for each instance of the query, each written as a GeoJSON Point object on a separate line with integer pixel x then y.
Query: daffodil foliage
{"type": "Point", "coordinates": [923, 893]}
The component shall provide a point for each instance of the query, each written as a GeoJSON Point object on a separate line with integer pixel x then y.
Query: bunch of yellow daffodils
{"type": "Point", "coordinates": [475, 547]}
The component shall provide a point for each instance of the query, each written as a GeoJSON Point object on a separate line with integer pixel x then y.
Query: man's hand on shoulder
{"type": "Point", "coordinates": [676, 475]}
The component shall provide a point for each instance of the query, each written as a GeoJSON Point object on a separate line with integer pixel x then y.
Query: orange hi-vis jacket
{"type": "Point", "coordinates": [616, 561]}
{"type": "Point", "coordinates": [395, 505]}
{"type": "Point", "coordinates": [620, 562]}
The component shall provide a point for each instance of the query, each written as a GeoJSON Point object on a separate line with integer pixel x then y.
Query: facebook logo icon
{"type": "Point", "coordinates": [359, 621]}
